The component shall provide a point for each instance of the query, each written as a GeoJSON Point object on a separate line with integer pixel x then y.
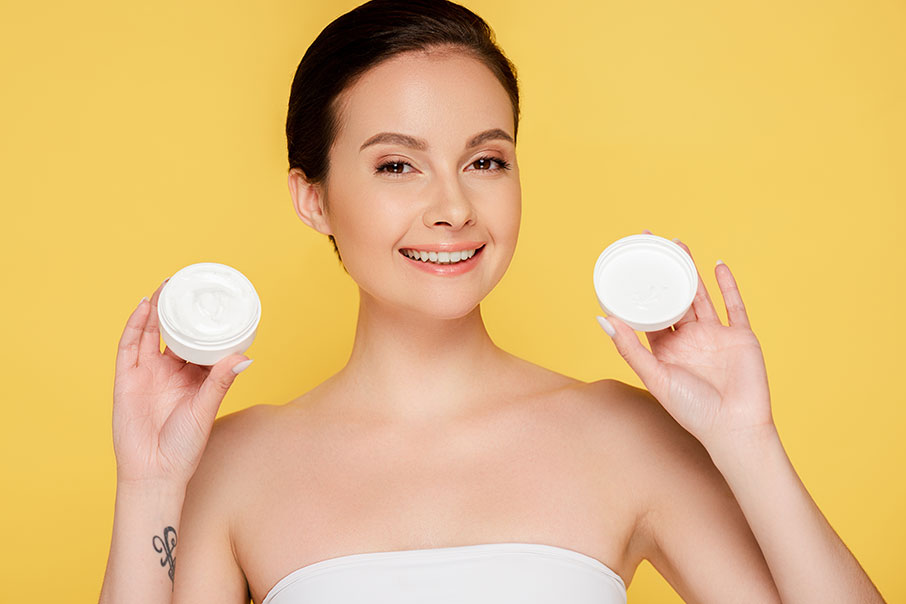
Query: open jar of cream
{"type": "Point", "coordinates": [208, 311]}
{"type": "Point", "coordinates": [646, 281]}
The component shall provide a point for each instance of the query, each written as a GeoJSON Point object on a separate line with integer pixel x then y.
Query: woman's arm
{"type": "Point", "coordinates": [163, 413]}
{"type": "Point", "coordinates": [711, 379]}
{"type": "Point", "coordinates": [733, 524]}
{"type": "Point", "coordinates": [689, 525]}
{"type": "Point", "coordinates": [145, 520]}
{"type": "Point", "coordinates": [807, 559]}
{"type": "Point", "coordinates": [150, 519]}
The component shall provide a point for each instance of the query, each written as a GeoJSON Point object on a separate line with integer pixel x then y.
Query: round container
{"type": "Point", "coordinates": [208, 311]}
{"type": "Point", "coordinates": [646, 281]}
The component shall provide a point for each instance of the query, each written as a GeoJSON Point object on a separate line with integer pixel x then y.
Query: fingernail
{"type": "Point", "coordinates": [719, 262]}
{"type": "Point", "coordinates": [676, 241]}
{"type": "Point", "coordinates": [607, 326]}
{"type": "Point", "coordinates": [240, 367]}
{"type": "Point", "coordinates": [144, 299]}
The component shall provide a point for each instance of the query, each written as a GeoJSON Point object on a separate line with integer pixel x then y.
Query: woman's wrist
{"type": "Point", "coordinates": [155, 489]}
{"type": "Point", "coordinates": [743, 448]}
{"type": "Point", "coordinates": [141, 564]}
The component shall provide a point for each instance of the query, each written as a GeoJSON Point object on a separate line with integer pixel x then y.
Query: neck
{"type": "Point", "coordinates": [411, 367]}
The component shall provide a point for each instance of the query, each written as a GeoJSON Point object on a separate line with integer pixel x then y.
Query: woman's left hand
{"type": "Point", "coordinates": [711, 378]}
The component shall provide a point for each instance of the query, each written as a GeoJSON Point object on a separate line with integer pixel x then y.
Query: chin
{"type": "Point", "coordinates": [446, 309]}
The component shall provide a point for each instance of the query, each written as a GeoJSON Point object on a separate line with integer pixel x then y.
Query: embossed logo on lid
{"type": "Point", "coordinates": [645, 280]}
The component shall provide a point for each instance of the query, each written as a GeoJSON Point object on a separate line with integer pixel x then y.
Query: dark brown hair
{"type": "Point", "coordinates": [357, 41]}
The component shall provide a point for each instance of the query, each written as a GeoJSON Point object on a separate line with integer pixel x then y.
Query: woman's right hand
{"type": "Point", "coordinates": [163, 407]}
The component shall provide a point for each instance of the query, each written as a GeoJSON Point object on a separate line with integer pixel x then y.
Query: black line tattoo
{"type": "Point", "coordinates": [165, 546]}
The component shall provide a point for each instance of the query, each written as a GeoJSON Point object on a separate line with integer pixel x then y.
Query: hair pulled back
{"type": "Point", "coordinates": [359, 40]}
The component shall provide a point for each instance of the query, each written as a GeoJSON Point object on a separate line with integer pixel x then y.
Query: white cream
{"type": "Point", "coordinates": [208, 311]}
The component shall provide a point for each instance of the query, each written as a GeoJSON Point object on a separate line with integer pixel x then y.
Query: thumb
{"type": "Point", "coordinates": [216, 384]}
{"type": "Point", "coordinates": [631, 349]}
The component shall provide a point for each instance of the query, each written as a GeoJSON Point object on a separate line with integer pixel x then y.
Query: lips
{"type": "Point", "coordinates": [457, 246]}
{"type": "Point", "coordinates": [455, 268]}
{"type": "Point", "coordinates": [441, 257]}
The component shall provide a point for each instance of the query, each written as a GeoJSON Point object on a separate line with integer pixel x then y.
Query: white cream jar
{"type": "Point", "coordinates": [645, 280]}
{"type": "Point", "coordinates": [208, 311]}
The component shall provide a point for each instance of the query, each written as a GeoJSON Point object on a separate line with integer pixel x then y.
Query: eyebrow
{"type": "Point", "coordinates": [422, 145]}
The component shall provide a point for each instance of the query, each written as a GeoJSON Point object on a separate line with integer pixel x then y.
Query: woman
{"type": "Point", "coordinates": [436, 467]}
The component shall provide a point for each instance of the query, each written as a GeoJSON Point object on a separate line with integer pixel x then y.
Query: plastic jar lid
{"type": "Point", "coordinates": [208, 311]}
{"type": "Point", "coordinates": [646, 281]}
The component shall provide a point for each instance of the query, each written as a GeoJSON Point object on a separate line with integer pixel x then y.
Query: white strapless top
{"type": "Point", "coordinates": [489, 573]}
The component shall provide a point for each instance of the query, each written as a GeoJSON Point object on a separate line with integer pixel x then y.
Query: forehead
{"type": "Point", "coordinates": [442, 96]}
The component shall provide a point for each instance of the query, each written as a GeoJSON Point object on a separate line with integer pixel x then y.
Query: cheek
{"type": "Point", "coordinates": [367, 224]}
{"type": "Point", "coordinates": [507, 218]}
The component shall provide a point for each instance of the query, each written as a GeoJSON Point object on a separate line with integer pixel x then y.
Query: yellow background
{"type": "Point", "coordinates": [137, 138]}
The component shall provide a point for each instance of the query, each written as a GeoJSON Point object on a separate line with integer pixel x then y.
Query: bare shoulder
{"type": "Point", "coordinates": [232, 434]}
{"type": "Point", "coordinates": [667, 455]}
{"type": "Point", "coordinates": [690, 526]}
{"type": "Point", "coordinates": [635, 429]}
{"type": "Point", "coordinates": [659, 444]}
{"type": "Point", "coordinates": [209, 568]}
{"type": "Point", "coordinates": [637, 415]}
{"type": "Point", "coordinates": [537, 378]}
{"type": "Point", "coordinates": [658, 460]}
{"type": "Point", "coordinates": [229, 454]}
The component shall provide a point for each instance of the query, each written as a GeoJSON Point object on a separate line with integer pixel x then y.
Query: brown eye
{"type": "Point", "coordinates": [393, 167]}
{"type": "Point", "coordinates": [484, 164]}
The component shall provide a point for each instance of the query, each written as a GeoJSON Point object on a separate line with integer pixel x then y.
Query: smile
{"type": "Point", "coordinates": [443, 263]}
{"type": "Point", "coordinates": [440, 257]}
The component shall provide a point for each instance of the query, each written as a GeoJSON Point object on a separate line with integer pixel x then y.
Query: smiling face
{"type": "Point", "coordinates": [424, 160]}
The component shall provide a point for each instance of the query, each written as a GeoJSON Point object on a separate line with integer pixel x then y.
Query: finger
{"type": "Point", "coordinates": [655, 337]}
{"type": "Point", "coordinates": [647, 232]}
{"type": "Point", "coordinates": [704, 308]}
{"type": "Point", "coordinates": [736, 310]}
{"type": "Point", "coordinates": [150, 345]}
{"type": "Point", "coordinates": [168, 352]}
{"type": "Point", "coordinates": [688, 317]}
{"type": "Point", "coordinates": [631, 349]}
{"type": "Point", "coordinates": [127, 349]}
{"type": "Point", "coordinates": [214, 388]}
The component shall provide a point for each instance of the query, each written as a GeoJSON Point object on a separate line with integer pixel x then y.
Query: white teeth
{"type": "Point", "coordinates": [440, 257]}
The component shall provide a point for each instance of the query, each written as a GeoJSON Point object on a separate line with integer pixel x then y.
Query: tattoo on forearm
{"type": "Point", "coordinates": [165, 546]}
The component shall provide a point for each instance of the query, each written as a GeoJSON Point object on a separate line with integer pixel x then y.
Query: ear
{"type": "Point", "coordinates": [308, 202]}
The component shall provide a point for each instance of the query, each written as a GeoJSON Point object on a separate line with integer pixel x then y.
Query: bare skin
{"type": "Point", "coordinates": [528, 469]}
{"type": "Point", "coordinates": [554, 461]}
{"type": "Point", "coordinates": [432, 436]}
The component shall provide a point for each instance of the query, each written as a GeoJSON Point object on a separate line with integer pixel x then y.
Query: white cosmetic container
{"type": "Point", "coordinates": [646, 281]}
{"type": "Point", "coordinates": [208, 311]}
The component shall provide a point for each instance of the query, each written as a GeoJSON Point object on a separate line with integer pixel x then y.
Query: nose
{"type": "Point", "coordinates": [452, 207]}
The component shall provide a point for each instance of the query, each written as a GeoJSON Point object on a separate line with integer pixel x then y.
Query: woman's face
{"type": "Point", "coordinates": [442, 175]}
